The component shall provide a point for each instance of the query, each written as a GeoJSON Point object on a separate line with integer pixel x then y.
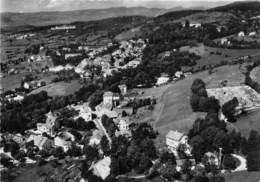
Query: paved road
{"type": "Point", "coordinates": [242, 166]}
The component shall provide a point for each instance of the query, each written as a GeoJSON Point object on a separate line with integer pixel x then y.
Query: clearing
{"type": "Point", "coordinates": [59, 88]}
{"type": "Point", "coordinates": [175, 112]}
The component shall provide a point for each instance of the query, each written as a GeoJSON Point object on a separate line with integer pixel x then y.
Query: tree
{"type": "Point", "coordinates": [229, 109]}
{"type": "Point", "coordinates": [197, 85]}
{"type": "Point", "coordinates": [194, 102]}
{"type": "Point", "coordinates": [167, 157]}
{"type": "Point", "coordinates": [169, 172]}
{"type": "Point", "coordinates": [105, 145]}
{"type": "Point", "coordinates": [74, 151]}
{"type": "Point", "coordinates": [91, 153]}
{"type": "Point", "coordinates": [187, 23]}
{"type": "Point", "coordinates": [95, 99]}
{"type": "Point", "coordinates": [229, 162]}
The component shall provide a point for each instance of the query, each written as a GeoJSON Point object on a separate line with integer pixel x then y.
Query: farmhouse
{"type": "Point", "coordinates": [174, 139]}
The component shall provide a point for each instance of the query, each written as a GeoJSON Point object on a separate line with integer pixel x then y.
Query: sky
{"type": "Point", "coordinates": [67, 5]}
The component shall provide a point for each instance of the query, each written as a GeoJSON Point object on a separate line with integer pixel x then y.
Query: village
{"type": "Point", "coordinates": [175, 106]}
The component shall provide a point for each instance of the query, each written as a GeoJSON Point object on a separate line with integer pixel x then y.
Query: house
{"type": "Point", "coordinates": [70, 55]}
{"type": "Point", "coordinates": [96, 137]}
{"type": "Point", "coordinates": [123, 126]}
{"type": "Point", "coordinates": [84, 111]}
{"type": "Point", "coordinates": [64, 27]}
{"type": "Point", "coordinates": [100, 111]}
{"type": "Point", "coordinates": [102, 167]}
{"type": "Point", "coordinates": [162, 79]}
{"type": "Point", "coordinates": [49, 126]}
{"type": "Point", "coordinates": [224, 41]}
{"type": "Point", "coordinates": [241, 34]}
{"type": "Point", "coordinates": [110, 99]}
{"type": "Point", "coordinates": [251, 34]}
{"type": "Point", "coordinates": [174, 139]}
{"type": "Point", "coordinates": [40, 141]}
{"type": "Point", "coordinates": [64, 140]}
{"type": "Point", "coordinates": [178, 74]}
{"type": "Point", "coordinates": [211, 158]}
{"type": "Point", "coordinates": [195, 25]}
{"type": "Point", "coordinates": [123, 89]}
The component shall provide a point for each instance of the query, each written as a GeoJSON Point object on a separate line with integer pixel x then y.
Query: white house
{"type": "Point", "coordinates": [102, 167]}
{"type": "Point", "coordinates": [64, 140]}
{"type": "Point", "coordinates": [178, 74]}
{"type": "Point", "coordinates": [174, 139]}
{"type": "Point", "coordinates": [72, 55]}
{"type": "Point", "coordinates": [110, 98]}
{"type": "Point", "coordinates": [162, 80]}
{"type": "Point", "coordinates": [252, 34]}
{"type": "Point", "coordinates": [224, 41]}
{"type": "Point", "coordinates": [241, 34]}
{"type": "Point", "coordinates": [49, 126]}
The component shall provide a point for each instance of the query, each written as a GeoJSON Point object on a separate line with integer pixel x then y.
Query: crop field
{"type": "Point", "coordinates": [175, 112]}
{"type": "Point", "coordinates": [59, 88]}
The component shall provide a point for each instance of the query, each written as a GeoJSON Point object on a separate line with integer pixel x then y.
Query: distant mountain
{"type": "Point", "coordinates": [239, 6]}
{"type": "Point", "coordinates": [12, 20]}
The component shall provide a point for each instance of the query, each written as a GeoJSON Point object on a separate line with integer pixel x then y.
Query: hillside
{"type": "Point", "coordinates": [11, 20]}
{"type": "Point", "coordinates": [239, 6]}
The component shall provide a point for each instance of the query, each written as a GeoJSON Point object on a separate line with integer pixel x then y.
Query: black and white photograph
{"type": "Point", "coordinates": [130, 91]}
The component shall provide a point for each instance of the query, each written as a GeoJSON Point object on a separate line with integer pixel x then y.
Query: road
{"type": "Point", "coordinates": [242, 166]}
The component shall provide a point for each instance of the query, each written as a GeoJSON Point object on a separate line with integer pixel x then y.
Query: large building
{"type": "Point", "coordinates": [49, 126]}
{"type": "Point", "coordinates": [174, 139]}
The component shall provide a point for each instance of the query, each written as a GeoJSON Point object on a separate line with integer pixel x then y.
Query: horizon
{"type": "Point", "coordinates": [32, 6]}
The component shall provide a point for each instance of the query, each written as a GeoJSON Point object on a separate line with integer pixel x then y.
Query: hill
{"type": "Point", "coordinates": [239, 6]}
{"type": "Point", "coordinates": [12, 20]}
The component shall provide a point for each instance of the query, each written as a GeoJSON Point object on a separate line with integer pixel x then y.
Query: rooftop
{"type": "Point", "coordinates": [174, 135]}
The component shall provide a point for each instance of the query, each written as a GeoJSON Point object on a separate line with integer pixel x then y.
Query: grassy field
{"type": "Point", "coordinates": [59, 88]}
{"type": "Point", "coordinates": [247, 123]}
{"type": "Point", "coordinates": [226, 54]}
{"type": "Point", "coordinates": [243, 176]}
{"type": "Point", "coordinates": [10, 82]}
{"type": "Point", "coordinates": [175, 112]}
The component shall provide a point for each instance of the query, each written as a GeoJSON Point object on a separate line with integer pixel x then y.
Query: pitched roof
{"type": "Point", "coordinates": [174, 135]}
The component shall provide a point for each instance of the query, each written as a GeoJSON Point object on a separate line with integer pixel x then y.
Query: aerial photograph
{"type": "Point", "coordinates": [130, 91]}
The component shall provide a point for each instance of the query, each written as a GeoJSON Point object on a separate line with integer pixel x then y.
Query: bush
{"type": "Point", "coordinates": [229, 162]}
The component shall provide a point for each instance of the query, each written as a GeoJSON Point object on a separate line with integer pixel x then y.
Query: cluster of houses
{"type": "Point", "coordinates": [64, 27]}
{"type": "Point", "coordinates": [128, 50]}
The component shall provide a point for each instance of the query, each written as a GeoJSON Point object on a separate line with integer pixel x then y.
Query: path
{"type": "Point", "coordinates": [242, 166]}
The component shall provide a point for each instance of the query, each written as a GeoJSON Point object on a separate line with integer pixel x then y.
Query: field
{"type": "Point", "coordinates": [10, 82]}
{"type": "Point", "coordinates": [243, 176]}
{"type": "Point", "coordinates": [207, 56]}
{"type": "Point", "coordinates": [247, 123]}
{"type": "Point", "coordinates": [175, 112]}
{"type": "Point", "coordinates": [59, 88]}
